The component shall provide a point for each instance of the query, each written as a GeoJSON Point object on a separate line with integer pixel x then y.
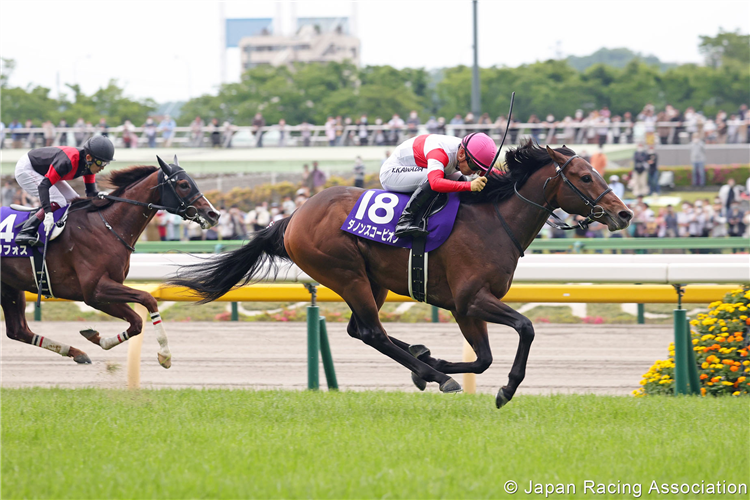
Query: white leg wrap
{"type": "Point", "coordinates": [51, 345]}
{"type": "Point", "coordinates": [161, 334]}
{"type": "Point", "coordinates": [110, 342]}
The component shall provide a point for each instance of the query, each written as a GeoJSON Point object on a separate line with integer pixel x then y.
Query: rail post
{"type": "Point", "coordinates": [235, 312]}
{"type": "Point", "coordinates": [313, 339]}
{"type": "Point", "coordinates": [325, 353]}
{"type": "Point", "coordinates": [435, 315]}
{"type": "Point", "coordinates": [682, 347]}
{"type": "Point", "coordinates": [37, 312]}
{"type": "Point", "coordinates": [641, 312]}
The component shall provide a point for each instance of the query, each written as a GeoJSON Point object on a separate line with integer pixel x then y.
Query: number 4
{"type": "Point", "coordinates": [6, 228]}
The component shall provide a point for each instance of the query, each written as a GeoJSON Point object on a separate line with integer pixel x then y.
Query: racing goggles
{"type": "Point", "coordinates": [101, 163]}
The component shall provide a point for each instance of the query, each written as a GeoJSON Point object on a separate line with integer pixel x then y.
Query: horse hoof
{"type": "Point", "coordinates": [419, 350]}
{"type": "Point", "coordinates": [419, 382]}
{"type": "Point", "coordinates": [82, 359]}
{"type": "Point", "coordinates": [501, 400]}
{"type": "Point", "coordinates": [165, 361]}
{"type": "Point", "coordinates": [450, 385]}
{"type": "Point", "coordinates": [89, 333]}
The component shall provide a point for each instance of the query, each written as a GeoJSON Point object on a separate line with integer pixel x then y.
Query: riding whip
{"type": "Point", "coordinates": [507, 126]}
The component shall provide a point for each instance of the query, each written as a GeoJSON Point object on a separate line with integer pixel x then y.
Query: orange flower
{"type": "Point", "coordinates": [703, 391]}
{"type": "Point", "coordinates": [715, 379]}
{"type": "Point", "coordinates": [747, 321]}
{"type": "Point", "coordinates": [720, 339]}
{"type": "Point", "coordinates": [734, 368]}
{"type": "Point", "coordinates": [727, 362]}
{"type": "Point", "coordinates": [730, 339]}
{"type": "Point", "coordinates": [704, 376]}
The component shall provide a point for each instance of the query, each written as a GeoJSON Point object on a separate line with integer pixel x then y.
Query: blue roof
{"type": "Point", "coordinates": [237, 29]}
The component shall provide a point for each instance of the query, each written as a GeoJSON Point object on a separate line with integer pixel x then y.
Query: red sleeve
{"type": "Point", "coordinates": [439, 183]}
{"type": "Point", "coordinates": [52, 175]}
{"type": "Point", "coordinates": [89, 179]}
{"type": "Point", "coordinates": [439, 155]}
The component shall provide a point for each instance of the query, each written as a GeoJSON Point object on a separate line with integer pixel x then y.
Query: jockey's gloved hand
{"type": "Point", "coordinates": [478, 183]}
{"type": "Point", "coordinates": [49, 222]}
{"type": "Point", "coordinates": [101, 194]}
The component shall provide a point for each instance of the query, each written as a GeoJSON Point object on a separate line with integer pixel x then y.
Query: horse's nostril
{"type": "Point", "coordinates": [625, 214]}
{"type": "Point", "coordinates": [213, 215]}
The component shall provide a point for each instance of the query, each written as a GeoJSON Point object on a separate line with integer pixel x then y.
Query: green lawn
{"type": "Point", "coordinates": [273, 444]}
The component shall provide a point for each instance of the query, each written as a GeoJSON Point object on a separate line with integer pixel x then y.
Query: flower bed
{"type": "Point", "coordinates": [720, 343]}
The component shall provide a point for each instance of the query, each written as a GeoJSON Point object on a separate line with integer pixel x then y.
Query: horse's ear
{"type": "Point", "coordinates": [164, 166]}
{"type": "Point", "coordinates": [556, 157]}
{"type": "Point", "coordinates": [176, 163]}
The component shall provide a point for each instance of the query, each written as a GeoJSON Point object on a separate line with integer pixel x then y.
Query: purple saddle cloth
{"type": "Point", "coordinates": [376, 213]}
{"type": "Point", "coordinates": [10, 225]}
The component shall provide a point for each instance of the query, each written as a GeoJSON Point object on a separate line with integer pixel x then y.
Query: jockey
{"type": "Point", "coordinates": [430, 164]}
{"type": "Point", "coordinates": [42, 173]}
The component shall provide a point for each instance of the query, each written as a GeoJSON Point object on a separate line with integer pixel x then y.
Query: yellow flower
{"type": "Point", "coordinates": [643, 382]}
{"type": "Point", "coordinates": [726, 382]}
{"type": "Point", "coordinates": [742, 308]}
{"type": "Point", "coordinates": [704, 365]}
{"type": "Point", "coordinates": [746, 362]}
{"type": "Point", "coordinates": [695, 341]}
{"type": "Point", "coordinates": [724, 328]}
{"type": "Point", "coordinates": [736, 393]}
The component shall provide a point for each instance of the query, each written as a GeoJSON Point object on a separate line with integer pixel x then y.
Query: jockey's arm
{"type": "Point", "coordinates": [90, 183]}
{"type": "Point", "coordinates": [438, 182]}
{"type": "Point", "coordinates": [44, 194]}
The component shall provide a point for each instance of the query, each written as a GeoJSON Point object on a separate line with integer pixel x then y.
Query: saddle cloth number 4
{"type": "Point", "coordinates": [384, 202]}
{"type": "Point", "coordinates": [6, 228]}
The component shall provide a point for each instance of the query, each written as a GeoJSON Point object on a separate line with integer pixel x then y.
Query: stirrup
{"type": "Point", "coordinates": [34, 243]}
{"type": "Point", "coordinates": [419, 229]}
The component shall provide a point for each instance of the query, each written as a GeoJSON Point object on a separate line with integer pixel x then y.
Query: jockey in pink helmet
{"type": "Point", "coordinates": [430, 164]}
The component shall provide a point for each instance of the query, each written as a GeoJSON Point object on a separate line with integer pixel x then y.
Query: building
{"type": "Point", "coordinates": [321, 39]}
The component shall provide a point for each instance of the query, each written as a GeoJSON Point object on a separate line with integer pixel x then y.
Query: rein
{"type": "Point", "coordinates": [596, 210]}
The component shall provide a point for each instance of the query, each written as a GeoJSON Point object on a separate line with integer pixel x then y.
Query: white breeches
{"type": "Point", "coordinates": [29, 179]}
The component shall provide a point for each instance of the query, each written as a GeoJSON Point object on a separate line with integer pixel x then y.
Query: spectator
{"type": "Point", "coordinates": [339, 130]}
{"type": "Point", "coordinates": [413, 123]}
{"type": "Point", "coordinates": [8, 194]}
{"type": "Point", "coordinates": [2, 135]}
{"type": "Point", "coordinates": [29, 137]}
{"type": "Point", "coordinates": [282, 132]}
{"type": "Point", "coordinates": [49, 133]}
{"type": "Point", "coordinates": [359, 172]}
{"type": "Point", "coordinates": [102, 127]}
{"type": "Point", "coordinates": [440, 126]}
{"type": "Point", "coordinates": [662, 130]}
{"type": "Point", "coordinates": [79, 132]}
{"type": "Point", "coordinates": [276, 213]}
{"type": "Point", "coordinates": [728, 194]}
{"type": "Point", "coordinates": [149, 132]}
{"type": "Point", "coordinates": [305, 133]}
{"type": "Point", "coordinates": [174, 227]}
{"type": "Point", "coordinates": [288, 206]}
{"type": "Point", "coordinates": [166, 127]}
{"type": "Point", "coordinates": [485, 120]}
{"type": "Point", "coordinates": [379, 135]}
{"type": "Point", "coordinates": [735, 220]}
{"type": "Point", "coordinates": [617, 135]}
{"type": "Point", "coordinates": [64, 132]}
{"type": "Point", "coordinates": [193, 231]}
{"type": "Point", "coordinates": [227, 134]}
{"type": "Point", "coordinates": [214, 132]}
{"type": "Point", "coordinates": [697, 221]}
{"type": "Point", "coordinates": [602, 129]}
{"type": "Point", "coordinates": [617, 187]}
{"type": "Point", "coordinates": [431, 125]}
{"type": "Point", "coordinates": [347, 137]}
{"type": "Point", "coordinates": [698, 159]}
{"type": "Point", "coordinates": [671, 223]}
{"type": "Point", "coordinates": [330, 129]}
{"type": "Point", "coordinates": [627, 117]}
{"type": "Point", "coordinates": [196, 132]}
{"type": "Point", "coordinates": [262, 216]}
{"type": "Point", "coordinates": [639, 176]}
{"type": "Point", "coordinates": [457, 120]}
{"type": "Point", "coordinates": [128, 135]}
{"type": "Point", "coordinates": [733, 129]}
{"type": "Point", "coordinates": [717, 222]}
{"type": "Point", "coordinates": [317, 178]}
{"type": "Point", "coordinates": [653, 172]}
{"type": "Point", "coordinates": [599, 160]}
{"type": "Point", "coordinates": [362, 133]}
{"type": "Point", "coordinates": [469, 120]}
{"type": "Point", "coordinates": [299, 198]}
{"type": "Point", "coordinates": [161, 221]}
{"type": "Point", "coordinates": [258, 124]}
{"type": "Point", "coordinates": [396, 124]}
{"type": "Point", "coordinates": [550, 125]}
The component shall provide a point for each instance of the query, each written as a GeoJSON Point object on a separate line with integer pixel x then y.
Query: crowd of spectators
{"type": "Point", "coordinates": [652, 126]}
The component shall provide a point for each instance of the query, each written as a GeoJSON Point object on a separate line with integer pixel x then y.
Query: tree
{"type": "Point", "coordinates": [728, 47]}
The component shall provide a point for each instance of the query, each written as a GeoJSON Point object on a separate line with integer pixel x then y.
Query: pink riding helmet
{"type": "Point", "coordinates": [480, 148]}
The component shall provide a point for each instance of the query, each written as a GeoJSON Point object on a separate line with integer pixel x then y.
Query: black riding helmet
{"type": "Point", "coordinates": [100, 148]}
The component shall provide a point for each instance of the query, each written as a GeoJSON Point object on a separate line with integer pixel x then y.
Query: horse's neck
{"type": "Point", "coordinates": [131, 220]}
{"type": "Point", "coordinates": [524, 219]}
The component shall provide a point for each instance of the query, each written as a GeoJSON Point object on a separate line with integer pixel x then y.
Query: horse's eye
{"type": "Point", "coordinates": [586, 178]}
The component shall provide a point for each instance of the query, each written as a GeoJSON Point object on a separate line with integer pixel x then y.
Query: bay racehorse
{"type": "Point", "coordinates": [91, 258]}
{"type": "Point", "coordinates": [468, 275]}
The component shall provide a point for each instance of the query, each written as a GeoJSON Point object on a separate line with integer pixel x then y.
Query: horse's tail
{"type": "Point", "coordinates": [219, 275]}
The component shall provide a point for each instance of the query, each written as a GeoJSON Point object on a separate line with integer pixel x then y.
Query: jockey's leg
{"type": "Point", "coordinates": [14, 306]}
{"type": "Point", "coordinates": [412, 218]}
{"type": "Point", "coordinates": [108, 293]}
{"type": "Point", "coordinates": [28, 234]}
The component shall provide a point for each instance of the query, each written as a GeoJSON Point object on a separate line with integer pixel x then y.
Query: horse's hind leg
{"type": "Point", "coordinates": [14, 307]}
{"type": "Point", "coordinates": [363, 304]}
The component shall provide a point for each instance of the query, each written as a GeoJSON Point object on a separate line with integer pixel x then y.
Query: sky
{"type": "Point", "coordinates": [170, 50]}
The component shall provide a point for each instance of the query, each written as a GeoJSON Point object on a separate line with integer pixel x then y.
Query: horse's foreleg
{"type": "Point", "coordinates": [108, 295]}
{"type": "Point", "coordinates": [14, 307]}
{"type": "Point", "coordinates": [485, 306]}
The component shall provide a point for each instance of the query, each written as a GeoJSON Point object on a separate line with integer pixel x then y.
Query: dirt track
{"type": "Point", "coordinates": [602, 359]}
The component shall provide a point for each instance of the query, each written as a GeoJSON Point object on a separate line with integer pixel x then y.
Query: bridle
{"type": "Point", "coordinates": [597, 211]}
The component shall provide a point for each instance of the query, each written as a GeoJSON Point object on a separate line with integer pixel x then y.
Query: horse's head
{"type": "Point", "coordinates": [180, 193]}
{"type": "Point", "coordinates": [581, 190]}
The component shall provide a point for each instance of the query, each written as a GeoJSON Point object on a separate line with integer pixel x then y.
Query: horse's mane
{"type": "Point", "coordinates": [520, 163]}
{"type": "Point", "coordinates": [120, 180]}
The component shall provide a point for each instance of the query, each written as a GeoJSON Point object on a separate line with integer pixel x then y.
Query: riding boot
{"type": "Point", "coordinates": [28, 235]}
{"type": "Point", "coordinates": [411, 222]}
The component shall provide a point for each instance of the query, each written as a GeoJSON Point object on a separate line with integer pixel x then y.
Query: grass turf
{"type": "Point", "coordinates": [237, 444]}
